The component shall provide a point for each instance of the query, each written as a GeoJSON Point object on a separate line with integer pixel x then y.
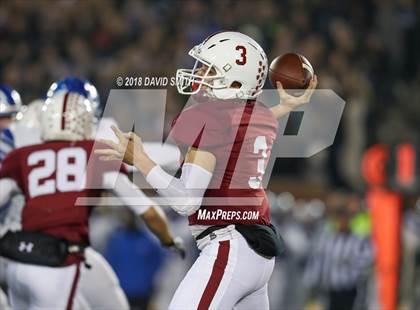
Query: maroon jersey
{"type": "Point", "coordinates": [240, 136]}
{"type": "Point", "coordinates": [52, 176]}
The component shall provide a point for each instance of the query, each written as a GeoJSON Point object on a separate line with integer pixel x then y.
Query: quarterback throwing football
{"type": "Point", "coordinates": [228, 136]}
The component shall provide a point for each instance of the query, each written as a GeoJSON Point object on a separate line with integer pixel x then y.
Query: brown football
{"type": "Point", "coordinates": [294, 72]}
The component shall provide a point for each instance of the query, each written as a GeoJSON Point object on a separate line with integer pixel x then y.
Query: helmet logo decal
{"type": "Point", "coordinates": [227, 67]}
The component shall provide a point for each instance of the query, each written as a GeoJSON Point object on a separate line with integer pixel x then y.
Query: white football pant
{"type": "Point", "coordinates": [33, 287]}
{"type": "Point", "coordinates": [228, 274]}
{"type": "Point", "coordinates": [99, 287]}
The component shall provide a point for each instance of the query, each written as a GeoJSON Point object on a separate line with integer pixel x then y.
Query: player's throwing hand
{"type": "Point", "coordinates": [292, 101]}
{"type": "Point", "coordinates": [288, 102]}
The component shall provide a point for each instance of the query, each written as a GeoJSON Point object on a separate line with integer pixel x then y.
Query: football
{"type": "Point", "coordinates": [294, 72]}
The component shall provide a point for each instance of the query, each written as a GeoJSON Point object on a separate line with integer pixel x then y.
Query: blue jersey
{"type": "Point", "coordinates": [7, 142]}
{"type": "Point", "coordinates": [15, 136]}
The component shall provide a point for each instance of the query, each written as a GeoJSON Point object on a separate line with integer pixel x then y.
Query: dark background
{"type": "Point", "coordinates": [367, 51]}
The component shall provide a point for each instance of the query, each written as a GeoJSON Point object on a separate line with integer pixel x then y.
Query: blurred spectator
{"type": "Point", "coordinates": [410, 286]}
{"type": "Point", "coordinates": [295, 222]}
{"type": "Point", "coordinates": [136, 257]}
{"type": "Point", "coordinates": [341, 255]}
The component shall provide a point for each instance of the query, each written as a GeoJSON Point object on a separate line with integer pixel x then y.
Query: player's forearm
{"type": "Point", "coordinates": [281, 110]}
{"type": "Point", "coordinates": [158, 225]}
{"type": "Point", "coordinates": [143, 163]}
{"type": "Point", "coordinates": [184, 194]}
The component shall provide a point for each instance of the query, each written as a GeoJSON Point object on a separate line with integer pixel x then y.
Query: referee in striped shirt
{"type": "Point", "coordinates": [341, 254]}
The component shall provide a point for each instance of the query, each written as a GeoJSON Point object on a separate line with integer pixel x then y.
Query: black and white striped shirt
{"type": "Point", "coordinates": [338, 260]}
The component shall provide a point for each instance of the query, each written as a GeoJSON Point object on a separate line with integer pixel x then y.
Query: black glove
{"type": "Point", "coordinates": [177, 245]}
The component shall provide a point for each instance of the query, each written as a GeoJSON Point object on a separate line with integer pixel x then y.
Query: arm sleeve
{"type": "Point", "coordinates": [127, 191]}
{"type": "Point", "coordinates": [185, 194]}
{"type": "Point", "coordinates": [165, 155]}
{"type": "Point", "coordinates": [7, 188]}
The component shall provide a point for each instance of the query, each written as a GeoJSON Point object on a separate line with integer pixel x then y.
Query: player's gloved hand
{"type": "Point", "coordinates": [177, 245]}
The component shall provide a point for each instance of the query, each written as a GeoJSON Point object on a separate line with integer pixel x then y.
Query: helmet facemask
{"type": "Point", "coordinates": [189, 82]}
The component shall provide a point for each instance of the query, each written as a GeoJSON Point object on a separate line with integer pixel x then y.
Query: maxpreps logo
{"type": "Point", "coordinates": [222, 215]}
{"type": "Point", "coordinates": [300, 134]}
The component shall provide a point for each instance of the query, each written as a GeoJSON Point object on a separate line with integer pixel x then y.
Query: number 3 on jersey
{"type": "Point", "coordinates": [69, 165]}
{"type": "Point", "coordinates": [260, 145]}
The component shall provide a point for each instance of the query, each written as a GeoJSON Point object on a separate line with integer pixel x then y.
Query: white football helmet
{"type": "Point", "coordinates": [30, 115]}
{"type": "Point", "coordinates": [228, 57]}
{"type": "Point", "coordinates": [10, 101]}
{"type": "Point", "coordinates": [67, 116]}
{"type": "Point", "coordinates": [77, 85]}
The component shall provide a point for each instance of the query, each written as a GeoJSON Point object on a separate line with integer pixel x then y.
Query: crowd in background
{"type": "Point", "coordinates": [366, 51]}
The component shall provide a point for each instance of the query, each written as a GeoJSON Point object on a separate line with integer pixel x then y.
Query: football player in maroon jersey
{"type": "Point", "coordinates": [228, 136]}
{"type": "Point", "coordinates": [45, 256]}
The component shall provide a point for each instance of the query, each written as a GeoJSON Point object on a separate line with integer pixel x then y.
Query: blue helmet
{"type": "Point", "coordinates": [10, 102]}
{"type": "Point", "coordinates": [76, 85]}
